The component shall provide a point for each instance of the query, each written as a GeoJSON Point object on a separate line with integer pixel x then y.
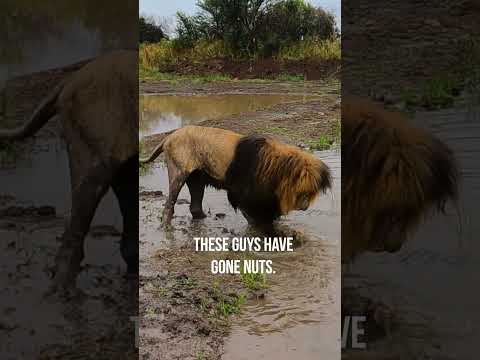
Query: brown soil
{"type": "Point", "coordinates": [179, 307]}
{"type": "Point", "coordinates": [254, 69]}
{"type": "Point", "coordinates": [258, 86]}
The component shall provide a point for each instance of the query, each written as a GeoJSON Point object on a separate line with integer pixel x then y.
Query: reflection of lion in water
{"type": "Point", "coordinates": [392, 174]}
{"type": "Point", "coordinates": [263, 177]}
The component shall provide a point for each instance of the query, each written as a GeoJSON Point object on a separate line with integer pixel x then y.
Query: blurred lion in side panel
{"type": "Point", "coordinates": [392, 174]}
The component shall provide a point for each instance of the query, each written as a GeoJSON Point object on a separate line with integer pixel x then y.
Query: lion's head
{"type": "Point", "coordinates": [296, 177]}
{"type": "Point", "coordinates": [392, 174]}
{"type": "Point", "coordinates": [267, 179]}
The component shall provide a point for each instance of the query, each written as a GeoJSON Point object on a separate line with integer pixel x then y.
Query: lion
{"type": "Point", "coordinates": [263, 177]}
{"type": "Point", "coordinates": [98, 111]}
{"type": "Point", "coordinates": [392, 174]}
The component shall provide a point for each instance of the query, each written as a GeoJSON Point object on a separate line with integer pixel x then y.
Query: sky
{"type": "Point", "coordinates": [168, 8]}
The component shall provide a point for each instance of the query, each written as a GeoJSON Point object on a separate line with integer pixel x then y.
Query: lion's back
{"type": "Point", "coordinates": [199, 147]}
{"type": "Point", "coordinates": [101, 97]}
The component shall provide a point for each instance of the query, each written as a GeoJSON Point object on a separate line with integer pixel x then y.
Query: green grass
{"type": "Point", "coordinates": [291, 78]}
{"type": "Point", "coordinates": [437, 93]}
{"type": "Point", "coordinates": [147, 74]}
{"type": "Point", "coordinates": [254, 281]}
{"type": "Point", "coordinates": [440, 92]}
{"type": "Point", "coordinates": [221, 306]}
{"type": "Point", "coordinates": [228, 306]}
{"type": "Point", "coordinates": [324, 142]}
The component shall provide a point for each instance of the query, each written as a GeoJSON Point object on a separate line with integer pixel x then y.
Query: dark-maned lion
{"type": "Point", "coordinates": [392, 174]}
{"type": "Point", "coordinates": [98, 109]}
{"type": "Point", "coordinates": [263, 177]}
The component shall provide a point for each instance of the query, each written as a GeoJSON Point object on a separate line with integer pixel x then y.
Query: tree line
{"type": "Point", "coordinates": [247, 27]}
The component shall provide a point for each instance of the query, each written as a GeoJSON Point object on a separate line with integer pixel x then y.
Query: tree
{"type": "Point", "coordinates": [250, 27]}
{"type": "Point", "coordinates": [149, 31]}
{"type": "Point", "coordinates": [289, 21]}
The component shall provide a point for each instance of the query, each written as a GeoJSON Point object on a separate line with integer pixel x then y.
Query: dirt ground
{"type": "Point", "coordinates": [257, 69]}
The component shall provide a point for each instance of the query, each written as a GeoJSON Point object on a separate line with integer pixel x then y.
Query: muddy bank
{"type": "Point", "coordinates": [296, 113]}
{"type": "Point", "coordinates": [78, 326]}
{"type": "Point", "coordinates": [258, 86]}
{"type": "Point", "coordinates": [257, 69]}
{"type": "Point", "coordinates": [300, 123]}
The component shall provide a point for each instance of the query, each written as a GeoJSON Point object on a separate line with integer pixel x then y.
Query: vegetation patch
{"type": "Point", "coordinates": [323, 143]}
{"type": "Point", "coordinates": [236, 37]}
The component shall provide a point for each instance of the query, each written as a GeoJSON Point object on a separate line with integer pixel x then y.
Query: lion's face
{"type": "Point", "coordinates": [392, 230]}
{"type": "Point", "coordinates": [310, 179]}
{"type": "Point", "coordinates": [304, 200]}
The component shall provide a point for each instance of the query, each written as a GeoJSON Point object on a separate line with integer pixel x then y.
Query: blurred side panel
{"type": "Point", "coordinates": [410, 179]}
{"type": "Point", "coordinates": [68, 169]}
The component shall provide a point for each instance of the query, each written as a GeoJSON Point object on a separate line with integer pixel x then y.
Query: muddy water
{"type": "Point", "coordinates": [429, 282]}
{"type": "Point", "coordinates": [162, 113]}
{"type": "Point", "coordinates": [299, 315]}
{"type": "Point", "coordinates": [41, 176]}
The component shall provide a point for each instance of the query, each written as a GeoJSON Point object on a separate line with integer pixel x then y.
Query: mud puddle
{"type": "Point", "coordinates": [296, 315]}
{"type": "Point", "coordinates": [163, 113]}
{"type": "Point", "coordinates": [31, 182]}
{"type": "Point", "coordinates": [436, 313]}
{"type": "Point", "coordinates": [299, 316]}
{"type": "Point", "coordinates": [34, 207]}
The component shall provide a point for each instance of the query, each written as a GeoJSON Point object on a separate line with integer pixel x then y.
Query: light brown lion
{"type": "Point", "coordinates": [392, 174]}
{"type": "Point", "coordinates": [263, 177]}
{"type": "Point", "coordinates": [98, 111]}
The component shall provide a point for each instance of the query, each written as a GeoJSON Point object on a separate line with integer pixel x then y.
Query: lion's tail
{"type": "Point", "coordinates": [158, 149]}
{"type": "Point", "coordinates": [44, 112]}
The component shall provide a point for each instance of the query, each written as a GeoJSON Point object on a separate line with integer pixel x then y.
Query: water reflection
{"type": "Point", "coordinates": [160, 113]}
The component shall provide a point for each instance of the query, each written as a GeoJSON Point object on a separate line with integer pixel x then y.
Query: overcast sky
{"type": "Point", "coordinates": [167, 8]}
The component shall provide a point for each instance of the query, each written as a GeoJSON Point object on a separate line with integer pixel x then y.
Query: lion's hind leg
{"type": "Point", "coordinates": [196, 185]}
{"type": "Point", "coordinates": [128, 202]}
{"type": "Point", "coordinates": [87, 191]}
{"type": "Point", "coordinates": [176, 179]}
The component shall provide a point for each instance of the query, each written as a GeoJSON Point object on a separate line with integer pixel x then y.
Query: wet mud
{"type": "Point", "coordinates": [182, 305]}
{"type": "Point", "coordinates": [34, 208]}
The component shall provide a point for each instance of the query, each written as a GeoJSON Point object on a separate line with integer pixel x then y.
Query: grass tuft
{"type": "Point", "coordinates": [312, 49]}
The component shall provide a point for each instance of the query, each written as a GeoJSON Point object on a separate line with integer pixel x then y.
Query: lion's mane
{"type": "Point", "coordinates": [265, 177]}
{"type": "Point", "coordinates": [392, 174]}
